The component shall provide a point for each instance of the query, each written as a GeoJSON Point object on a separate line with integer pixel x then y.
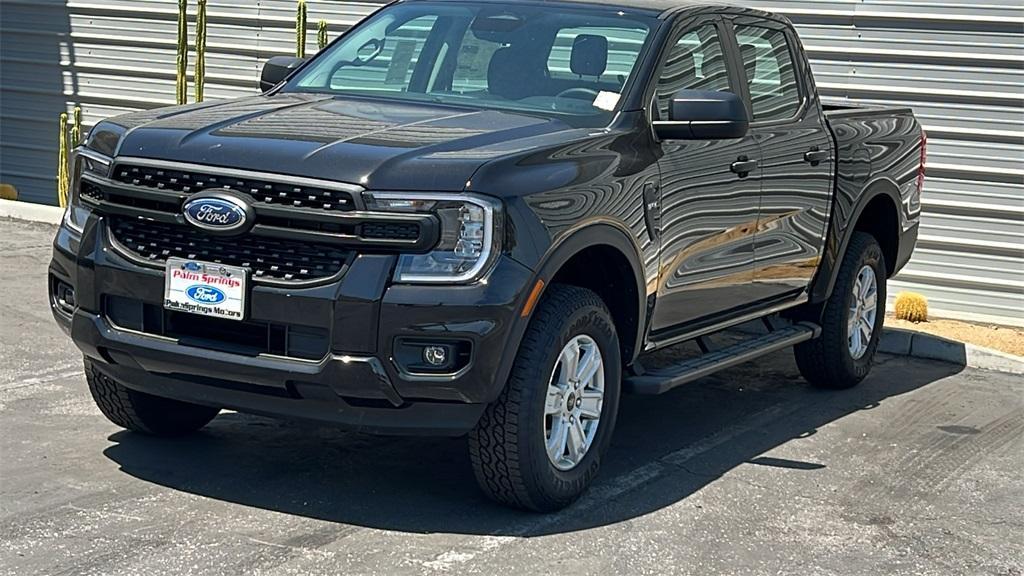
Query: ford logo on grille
{"type": "Point", "coordinates": [217, 212]}
{"type": "Point", "coordinates": [202, 294]}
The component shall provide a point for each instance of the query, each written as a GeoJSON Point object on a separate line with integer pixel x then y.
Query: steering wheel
{"type": "Point", "coordinates": [577, 93]}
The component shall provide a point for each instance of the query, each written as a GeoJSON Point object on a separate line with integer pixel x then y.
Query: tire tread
{"type": "Point", "coordinates": [141, 412]}
{"type": "Point", "coordinates": [819, 359]}
{"type": "Point", "coordinates": [494, 442]}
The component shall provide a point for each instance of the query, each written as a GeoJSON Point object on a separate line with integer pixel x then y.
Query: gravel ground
{"type": "Point", "coordinates": [917, 471]}
{"type": "Point", "coordinates": [1003, 338]}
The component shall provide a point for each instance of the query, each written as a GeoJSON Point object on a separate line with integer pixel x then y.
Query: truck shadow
{"type": "Point", "coordinates": [665, 449]}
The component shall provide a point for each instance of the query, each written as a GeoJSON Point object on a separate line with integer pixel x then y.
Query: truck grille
{"type": "Point", "coordinates": [281, 193]}
{"type": "Point", "coordinates": [270, 260]}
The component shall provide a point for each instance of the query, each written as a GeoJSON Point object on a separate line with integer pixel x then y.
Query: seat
{"type": "Point", "coordinates": [509, 75]}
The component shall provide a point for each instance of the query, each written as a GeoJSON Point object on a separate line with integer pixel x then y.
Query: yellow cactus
{"type": "Point", "coordinates": [63, 172]}
{"type": "Point", "coordinates": [76, 128]}
{"type": "Point", "coordinates": [321, 35]}
{"type": "Point", "coordinates": [300, 29]}
{"type": "Point", "coordinates": [199, 76]}
{"type": "Point", "coordinates": [181, 85]}
{"type": "Point", "coordinates": [911, 307]}
{"type": "Point", "coordinates": [8, 192]}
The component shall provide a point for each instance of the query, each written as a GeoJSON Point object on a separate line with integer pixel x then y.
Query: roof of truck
{"type": "Point", "coordinates": [660, 8]}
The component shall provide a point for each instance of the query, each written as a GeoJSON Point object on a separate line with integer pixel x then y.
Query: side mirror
{"type": "Point", "coordinates": [277, 69]}
{"type": "Point", "coordinates": [704, 115]}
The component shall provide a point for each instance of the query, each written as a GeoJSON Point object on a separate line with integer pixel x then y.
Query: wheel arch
{"type": "Point", "coordinates": [876, 212]}
{"type": "Point", "coordinates": [602, 257]}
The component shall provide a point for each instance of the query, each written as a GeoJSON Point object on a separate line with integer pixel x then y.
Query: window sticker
{"type": "Point", "coordinates": [606, 100]}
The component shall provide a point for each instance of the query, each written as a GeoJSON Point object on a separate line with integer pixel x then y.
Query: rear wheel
{"type": "Point", "coordinates": [539, 445]}
{"type": "Point", "coordinates": [851, 321]}
{"type": "Point", "coordinates": [145, 413]}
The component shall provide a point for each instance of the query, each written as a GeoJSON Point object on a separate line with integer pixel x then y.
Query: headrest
{"type": "Point", "coordinates": [589, 55]}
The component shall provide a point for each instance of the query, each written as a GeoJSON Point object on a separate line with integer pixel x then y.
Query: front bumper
{"type": "Point", "coordinates": [356, 384]}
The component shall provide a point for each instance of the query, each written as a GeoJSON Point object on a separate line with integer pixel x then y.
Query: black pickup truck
{"type": "Point", "coordinates": [468, 217]}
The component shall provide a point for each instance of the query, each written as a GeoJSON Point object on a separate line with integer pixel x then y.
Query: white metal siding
{"type": "Point", "coordinates": [960, 65]}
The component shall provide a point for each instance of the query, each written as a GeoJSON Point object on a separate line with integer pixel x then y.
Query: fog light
{"type": "Point", "coordinates": [435, 355]}
{"type": "Point", "coordinates": [65, 297]}
{"type": "Point", "coordinates": [431, 357]}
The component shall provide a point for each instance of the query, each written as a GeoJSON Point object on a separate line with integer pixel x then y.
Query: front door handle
{"type": "Point", "coordinates": [816, 156]}
{"type": "Point", "coordinates": [743, 166]}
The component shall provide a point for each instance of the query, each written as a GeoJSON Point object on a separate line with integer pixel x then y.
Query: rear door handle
{"type": "Point", "coordinates": [743, 166]}
{"type": "Point", "coordinates": [816, 156]}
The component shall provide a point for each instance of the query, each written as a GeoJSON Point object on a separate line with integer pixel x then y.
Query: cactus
{"type": "Point", "coordinates": [911, 307]}
{"type": "Point", "coordinates": [200, 71]}
{"type": "Point", "coordinates": [181, 88]}
{"type": "Point", "coordinates": [321, 35]}
{"type": "Point", "coordinates": [76, 127]}
{"type": "Point", "coordinates": [63, 173]}
{"type": "Point", "coordinates": [300, 29]}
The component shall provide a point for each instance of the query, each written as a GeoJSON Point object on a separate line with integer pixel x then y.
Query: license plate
{"type": "Point", "coordinates": [205, 288]}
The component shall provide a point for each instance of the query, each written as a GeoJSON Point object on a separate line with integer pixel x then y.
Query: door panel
{"type": "Point", "coordinates": [708, 212]}
{"type": "Point", "coordinates": [709, 216]}
{"type": "Point", "coordinates": [796, 164]}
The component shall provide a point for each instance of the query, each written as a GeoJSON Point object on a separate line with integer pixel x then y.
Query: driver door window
{"type": "Point", "coordinates": [696, 62]}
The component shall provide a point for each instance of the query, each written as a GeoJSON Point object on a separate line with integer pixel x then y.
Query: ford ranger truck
{"type": "Point", "coordinates": [480, 219]}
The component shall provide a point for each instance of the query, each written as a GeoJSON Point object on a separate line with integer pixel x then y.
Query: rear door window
{"type": "Point", "coordinates": [770, 73]}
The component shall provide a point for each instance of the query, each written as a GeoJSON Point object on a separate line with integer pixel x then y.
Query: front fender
{"type": "Point", "coordinates": [596, 233]}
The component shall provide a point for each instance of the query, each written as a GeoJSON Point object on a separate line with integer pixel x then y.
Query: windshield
{"type": "Point", "coordinates": [573, 62]}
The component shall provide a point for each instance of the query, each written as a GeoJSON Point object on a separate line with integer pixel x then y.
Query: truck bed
{"type": "Point", "coordinates": [845, 109]}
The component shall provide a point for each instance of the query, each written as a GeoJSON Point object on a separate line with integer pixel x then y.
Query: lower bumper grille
{"type": "Point", "coordinates": [270, 260]}
{"type": "Point", "coordinates": [247, 338]}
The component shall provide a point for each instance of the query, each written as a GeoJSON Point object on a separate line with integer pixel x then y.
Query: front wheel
{"type": "Point", "coordinates": [539, 445]}
{"type": "Point", "coordinates": [851, 321]}
{"type": "Point", "coordinates": [141, 412]}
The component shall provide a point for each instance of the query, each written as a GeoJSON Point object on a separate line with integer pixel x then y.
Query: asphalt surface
{"type": "Point", "coordinates": [917, 471]}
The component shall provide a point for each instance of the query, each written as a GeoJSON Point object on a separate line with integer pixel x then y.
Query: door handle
{"type": "Point", "coordinates": [743, 166]}
{"type": "Point", "coordinates": [816, 156]}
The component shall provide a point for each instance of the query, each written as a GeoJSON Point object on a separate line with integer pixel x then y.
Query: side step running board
{"type": "Point", "coordinates": [664, 379]}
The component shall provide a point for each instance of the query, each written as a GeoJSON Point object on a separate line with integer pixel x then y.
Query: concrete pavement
{"type": "Point", "coordinates": [918, 471]}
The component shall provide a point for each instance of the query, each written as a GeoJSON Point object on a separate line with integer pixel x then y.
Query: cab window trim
{"type": "Point", "coordinates": [737, 56]}
{"type": "Point", "coordinates": [736, 81]}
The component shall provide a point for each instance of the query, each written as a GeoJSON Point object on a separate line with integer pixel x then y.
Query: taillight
{"type": "Point", "coordinates": [924, 161]}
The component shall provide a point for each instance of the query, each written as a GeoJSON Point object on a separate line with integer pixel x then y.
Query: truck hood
{"type": "Point", "coordinates": [378, 144]}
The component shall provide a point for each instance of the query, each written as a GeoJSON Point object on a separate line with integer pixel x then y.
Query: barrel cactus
{"type": "Point", "coordinates": [911, 307]}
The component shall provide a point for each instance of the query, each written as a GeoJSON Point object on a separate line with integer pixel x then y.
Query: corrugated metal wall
{"type": "Point", "coordinates": [960, 65]}
{"type": "Point", "coordinates": [113, 56]}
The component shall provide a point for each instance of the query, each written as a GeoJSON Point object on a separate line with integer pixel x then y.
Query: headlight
{"type": "Point", "coordinates": [470, 235]}
{"type": "Point", "coordinates": [84, 162]}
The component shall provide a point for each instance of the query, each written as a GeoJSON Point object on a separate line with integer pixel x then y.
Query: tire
{"type": "Point", "coordinates": [509, 445]}
{"type": "Point", "coordinates": [829, 361]}
{"type": "Point", "coordinates": [145, 413]}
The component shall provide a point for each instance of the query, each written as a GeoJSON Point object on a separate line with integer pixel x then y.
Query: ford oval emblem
{"type": "Point", "coordinates": [203, 294]}
{"type": "Point", "coordinates": [221, 213]}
